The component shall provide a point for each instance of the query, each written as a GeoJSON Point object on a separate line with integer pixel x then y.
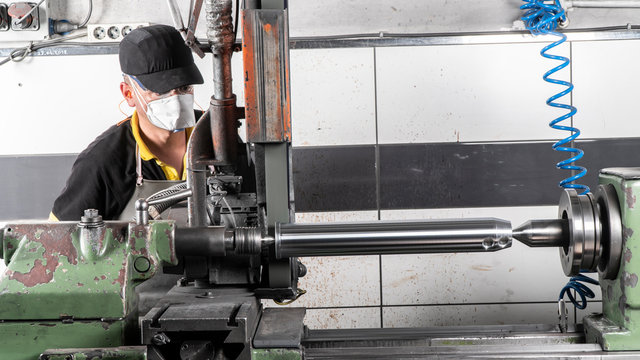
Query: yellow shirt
{"type": "Point", "coordinates": [170, 172]}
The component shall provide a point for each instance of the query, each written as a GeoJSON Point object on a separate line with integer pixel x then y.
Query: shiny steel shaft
{"type": "Point", "coordinates": [543, 233]}
{"type": "Point", "coordinates": [434, 236]}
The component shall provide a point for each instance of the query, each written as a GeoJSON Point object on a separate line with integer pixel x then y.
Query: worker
{"type": "Point", "coordinates": [137, 156]}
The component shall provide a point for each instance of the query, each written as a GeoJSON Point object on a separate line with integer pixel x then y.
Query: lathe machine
{"type": "Point", "coordinates": [95, 289]}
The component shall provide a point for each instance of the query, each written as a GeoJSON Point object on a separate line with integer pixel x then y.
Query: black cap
{"type": "Point", "coordinates": [158, 57]}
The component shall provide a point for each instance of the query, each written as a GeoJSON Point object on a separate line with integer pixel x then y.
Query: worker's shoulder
{"type": "Point", "coordinates": [112, 144]}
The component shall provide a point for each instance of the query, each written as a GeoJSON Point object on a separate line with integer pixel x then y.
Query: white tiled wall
{"type": "Point", "coordinates": [333, 97]}
{"type": "Point", "coordinates": [464, 93]}
{"type": "Point", "coordinates": [606, 77]}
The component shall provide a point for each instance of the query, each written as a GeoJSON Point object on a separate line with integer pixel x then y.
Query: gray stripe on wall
{"type": "Point", "coordinates": [334, 178]}
{"type": "Point", "coordinates": [30, 184]}
{"type": "Point", "coordinates": [416, 176]}
{"type": "Point", "coordinates": [343, 178]}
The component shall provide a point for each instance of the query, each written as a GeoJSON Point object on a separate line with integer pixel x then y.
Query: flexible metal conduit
{"type": "Point", "coordinates": [434, 236]}
{"type": "Point", "coordinates": [220, 36]}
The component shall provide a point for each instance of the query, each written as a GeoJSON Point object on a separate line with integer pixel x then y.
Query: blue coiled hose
{"type": "Point", "coordinates": [542, 19]}
{"type": "Point", "coordinates": [576, 283]}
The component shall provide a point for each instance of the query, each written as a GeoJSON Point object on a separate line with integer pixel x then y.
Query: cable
{"type": "Point", "coordinates": [19, 54]}
{"type": "Point", "coordinates": [543, 19]}
{"type": "Point", "coordinates": [299, 293]}
{"type": "Point", "coordinates": [576, 283]}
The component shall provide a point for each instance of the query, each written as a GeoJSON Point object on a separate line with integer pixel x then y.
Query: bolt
{"type": "Point", "coordinates": [160, 339]}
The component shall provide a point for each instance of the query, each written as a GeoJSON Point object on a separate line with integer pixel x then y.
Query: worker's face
{"type": "Point", "coordinates": [137, 96]}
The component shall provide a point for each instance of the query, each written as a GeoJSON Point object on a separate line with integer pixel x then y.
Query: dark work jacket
{"type": "Point", "coordinates": [103, 176]}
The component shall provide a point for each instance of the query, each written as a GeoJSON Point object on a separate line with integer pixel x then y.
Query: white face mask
{"type": "Point", "coordinates": [171, 113]}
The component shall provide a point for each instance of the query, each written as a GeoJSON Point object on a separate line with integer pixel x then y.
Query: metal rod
{"type": "Point", "coordinates": [220, 36]}
{"type": "Point", "coordinates": [175, 14]}
{"type": "Point", "coordinates": [434, 236]}
{"type": "Point", "coordinates": [602, 3]}
{"type": "Point", "coordinates": [207, 241]}
{"type": "Point", "coordinates": [543, 233]}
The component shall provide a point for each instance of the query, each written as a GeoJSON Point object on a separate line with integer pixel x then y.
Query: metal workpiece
{"type": "Point", "coordinates": [208, 241]}
{"type": "Point", "coordinates": [217, 241]}
{"type": "Point", "coordinates": [543, 233]}
{"type": "Point", "coordinates": [432, 236]}
{"type": "Point", "coordinates": [221, 37]}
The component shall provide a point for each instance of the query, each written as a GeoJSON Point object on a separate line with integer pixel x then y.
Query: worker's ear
{"type": "Point", "coordinates": [127, 93]}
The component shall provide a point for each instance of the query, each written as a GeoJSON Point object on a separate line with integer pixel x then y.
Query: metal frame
{"type": "Point", "coordinates": [378, 40]}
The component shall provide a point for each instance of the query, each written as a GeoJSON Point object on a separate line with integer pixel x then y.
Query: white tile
{"type": "Point", "coordinates": [605, 76]}
{"type": "Point", "coordinates": [343, 318]}
{"type": "Point", "coordinates": [332, 97]}
{"type": "Point", "coordinates": [465, 93]}
{"type": "Point", "coordinates": [517, 274]}
{"type": "Point", "coordinates": [450, 315]}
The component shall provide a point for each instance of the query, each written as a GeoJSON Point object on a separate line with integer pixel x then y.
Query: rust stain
{"type": "Point", "coordinates": [56, 241]}
{"type": "Point", "coordinates": [268, 28]}
{"type": "Point", "coordinates": [9, 246]}
{"type": "Point", "coordinates": [482, 267]}
{"type": "Point", "coordinates": [96, 279]}
{"type": "Point", "coordinates": [629, 197]}
{"type": "Point", "coordinates": [630, 280]}
{"type": "Point", "coordinates": [39, 273]}
{"type": "Point", "coordinates": [80, 284]}
{"type": "Point", "coordinates": [103, 277]}
{"type": "Point", "coordinates": [627, 255]}
{"type": "Point", "coordinates": [626, 233]}
{"type": "Point", "coordinates": [404, 280]}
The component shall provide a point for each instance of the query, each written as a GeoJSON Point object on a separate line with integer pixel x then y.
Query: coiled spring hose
{"type": "Point", "coordinates": [542, 18]}
{"type": "Point", "coordinates": [576, 283]}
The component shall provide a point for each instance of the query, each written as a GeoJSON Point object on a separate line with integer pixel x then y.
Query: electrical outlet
{"type": "Point", "coordinates": [111, 32]}
{"type": "Point", "coordinates": [33, 28]}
